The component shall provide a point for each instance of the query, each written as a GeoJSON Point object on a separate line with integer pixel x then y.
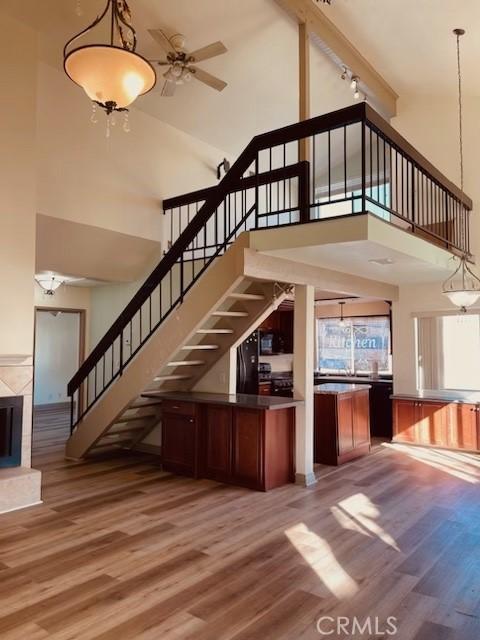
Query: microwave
{"type": "Point", "coordinates": [271, 343]}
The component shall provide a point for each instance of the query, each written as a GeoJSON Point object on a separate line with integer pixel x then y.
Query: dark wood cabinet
{"type": "Point", "coordinates": [342, 426]}
{"type": "Point", "coordinates": [437, 423]}
{"type": "Point", "coordinates": [248, 447]}
{"type": "Point", "coordinates": [281, 322]}
{"type": "Point", "coordinates": [463, 427]}
{"type": "Point", "coordinates": [381, 416]}
{"type": "Point", "coordinates": [179, 443]}
{"type": "Point", "coordinates": [432, 423]}
{"type": "Point", "coordinates": [405, 421]}
{"type": "Point", "coordinates": [247, 453]}
{"type": "Point", "coordinates": [217, 442]}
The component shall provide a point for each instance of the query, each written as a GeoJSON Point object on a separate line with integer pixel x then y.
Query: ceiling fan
{"type": "Point", "coordinates": [181, 64]}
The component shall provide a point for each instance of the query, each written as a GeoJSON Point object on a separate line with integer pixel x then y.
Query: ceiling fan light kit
{"type": "Point", "coordinates": [182, 64]}
{"type": "Point", "coordinates": [112, 74]}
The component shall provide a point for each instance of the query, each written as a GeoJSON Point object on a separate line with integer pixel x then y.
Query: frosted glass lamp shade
{"type": "Point", "coordinates": [49, 284]}
{"type": "Point", "coordinates": [463, 299]}
{"type": "Point", "coordinates": [110, 75]}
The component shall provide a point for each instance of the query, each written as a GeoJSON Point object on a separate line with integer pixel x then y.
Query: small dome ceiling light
{"type": "Point", "coordinates": [462, 288]}
{"type": "Point", "coordinates": [112, 75]}
{"type": "Point", "coordinates": [49, 284]}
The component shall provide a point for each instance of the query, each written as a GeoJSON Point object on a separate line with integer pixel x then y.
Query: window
{"type": "Point", "coordinates": [356, 347]}
{"type": "Point", "coordinates": [448, 352]}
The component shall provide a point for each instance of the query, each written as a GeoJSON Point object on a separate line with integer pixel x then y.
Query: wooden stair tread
{"type": "Point", "coordinates": [145, 416]}
{"type": "Point", "coordinates": [140, 405]}
{"type": "Point", "coordinates": [246, 296]}
{"type": "Point", "coordinates": [230, 314]}
{"type": "Point", "coordinates": [186, 363]}
{"type": "Point", "coordinates": [200, 347]}
{"type": "Point", "coordinates": [215, 331]}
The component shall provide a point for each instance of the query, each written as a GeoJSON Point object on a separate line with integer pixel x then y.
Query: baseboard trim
{"type": "Point", "coordinates": [144, 447]}
{"type": "Point", "coordinates": [24, 506]}
{"type": "Point", "coordinates": [305, 480]}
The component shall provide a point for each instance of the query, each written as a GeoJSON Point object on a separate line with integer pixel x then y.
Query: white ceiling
{"type": "Point", "coordinates": [261, 65]}
{"type": "Point", "coordinates": [408, 41]}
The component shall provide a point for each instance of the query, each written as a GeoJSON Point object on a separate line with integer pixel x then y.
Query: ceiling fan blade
{"type": "Point", "coordinates": [210, 51]}
{"type": "Point", "coordinates": [208, 79]}
{"type": "Point", "coordinates": [159, 36]}
{"type": "Point", "coordinates": [168, 89]}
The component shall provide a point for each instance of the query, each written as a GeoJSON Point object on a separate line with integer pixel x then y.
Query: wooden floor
{"type": "Point", "coordinates": [121, 550]}
{"type": "Point", "coordinates": [51, 428]}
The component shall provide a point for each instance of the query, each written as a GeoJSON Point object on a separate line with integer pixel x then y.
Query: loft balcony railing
{"type": "Point", "coordinates": [343, 163]}
{"type": "Point", "coordinates": [357, 163]}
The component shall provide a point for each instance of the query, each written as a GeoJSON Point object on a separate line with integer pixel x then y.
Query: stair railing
{"type": "Point", "coordinates": [356, 163]}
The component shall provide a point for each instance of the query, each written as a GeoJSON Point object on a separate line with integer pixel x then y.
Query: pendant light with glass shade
{"type": "Point", "coordinates": [463, 287]}
{"type": "Point", "coordinates": [112, 75]}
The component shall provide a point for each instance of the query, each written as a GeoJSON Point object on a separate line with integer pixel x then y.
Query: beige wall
{"type": "Point", "coordinates": [17, 185]}
{"type": "Point", "coordinates": [116, 183]}
{"type": "Point", "coordinates": [18, 48]}
{"type": "Point", "coordinates": [375, 308]}
{"type": "Point", "coordinates": [68, 297]}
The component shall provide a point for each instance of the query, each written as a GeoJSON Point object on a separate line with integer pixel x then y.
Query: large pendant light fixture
{"type": "Point", "coordinates": [113, 75]}
{"type": "Point", "coordinates": [462, 287]}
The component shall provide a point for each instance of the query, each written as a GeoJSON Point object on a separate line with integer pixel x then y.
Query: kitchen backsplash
{"type": "Point", "coordinates": [283, 362]}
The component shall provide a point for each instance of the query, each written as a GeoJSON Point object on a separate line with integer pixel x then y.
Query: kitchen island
{"type": "Point", "coordinates": [239, 439]}
{"type": "Point", "coordinates": [342, 422]}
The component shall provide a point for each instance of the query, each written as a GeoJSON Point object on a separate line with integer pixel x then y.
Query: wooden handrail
{"type": "Point", "coordinates": [233, 181]}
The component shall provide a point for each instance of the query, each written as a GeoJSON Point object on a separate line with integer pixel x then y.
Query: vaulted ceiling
{"type": "Point", "coordinates": [409, 42]}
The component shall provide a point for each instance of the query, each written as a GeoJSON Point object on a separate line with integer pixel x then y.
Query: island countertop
{"type": "Point", "coordinates": [336, 388]}
{"type": "Point", "coordinates": [261, 403]}
{"type": "Point", "coordinates": [454, 397]}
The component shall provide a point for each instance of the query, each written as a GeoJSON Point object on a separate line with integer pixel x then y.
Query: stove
{"type": "Point", "coordinates": [282, 385]}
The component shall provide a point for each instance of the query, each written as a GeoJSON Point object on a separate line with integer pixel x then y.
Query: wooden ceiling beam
{"type": "Point", "coordinates": [341, 51]}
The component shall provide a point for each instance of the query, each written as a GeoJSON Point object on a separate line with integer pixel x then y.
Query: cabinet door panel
{"type": "Point", "coordinates": [463, 432]}
{"type": "Point", "coordinates": [179, 444]}
{"type": "Point", "coordinates": [361, 419]}
{"type": "Point", "coordinates": [345, 409]}
{"type": "Point", "coordinates": [405, 421]}
{"type": "Point", "coordinates": [217, 442]}
{"type": "Point", "coordinates": [432, 423]}
{"type": "Point", "coordinates": [247, 447]}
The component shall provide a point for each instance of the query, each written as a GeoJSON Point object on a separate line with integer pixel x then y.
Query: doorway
{"type": "Point", "coordinates": [59, 350]}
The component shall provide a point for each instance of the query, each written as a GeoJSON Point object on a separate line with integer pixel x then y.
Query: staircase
{"type": "Point", "coordinates": [217, 314]}
{"type": "Point", "coordinates": [199, 301]}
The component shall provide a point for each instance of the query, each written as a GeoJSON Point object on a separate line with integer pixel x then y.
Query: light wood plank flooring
{"type": "Point", "coordinates": [51, 428]}
{"type": "Point", "coordinates": [121, 550]}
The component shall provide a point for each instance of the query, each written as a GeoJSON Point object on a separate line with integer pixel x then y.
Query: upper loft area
{"type": "Point", "coordinates": [344, 163]}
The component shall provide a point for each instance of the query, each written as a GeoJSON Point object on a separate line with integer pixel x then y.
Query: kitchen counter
{"type": "Point", "coordinates": [352, 379]}
{"type": "Point", "coordinates": [337, 388]}
{"type": "Point", "coordinates": [455, 397]}
{"type": "Point", "coordinates": [243, 400]}
{"type": "Point", "coordinates": [238, 439]}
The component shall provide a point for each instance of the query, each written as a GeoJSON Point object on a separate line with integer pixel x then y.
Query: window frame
{"type": "Point", "coordinates": [387, 316]}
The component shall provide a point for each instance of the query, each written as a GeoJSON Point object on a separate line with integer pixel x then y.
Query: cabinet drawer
{"type": "Point", "coordinates": [181, 408]}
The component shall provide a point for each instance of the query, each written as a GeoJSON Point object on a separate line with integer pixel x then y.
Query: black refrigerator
{"type": "Point", "coordinates": [247, 364]}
